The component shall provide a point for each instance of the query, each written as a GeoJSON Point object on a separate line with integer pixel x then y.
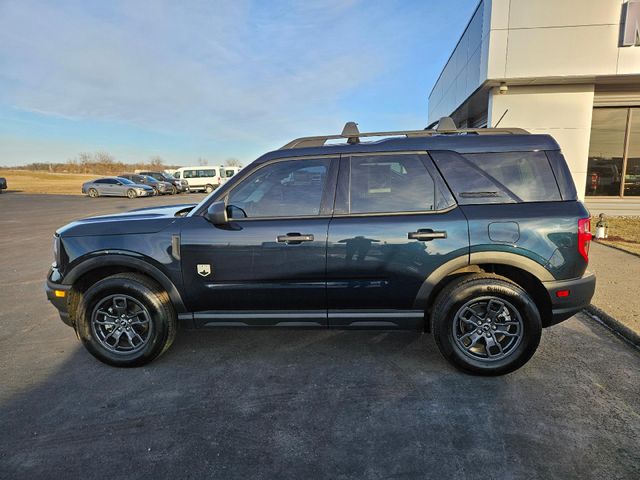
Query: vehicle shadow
{"type": "Point", "coordinates": [334, 404]}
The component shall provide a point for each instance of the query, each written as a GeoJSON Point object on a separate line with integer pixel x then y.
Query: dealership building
{"type": "Point", "coordinates": [570, 68]}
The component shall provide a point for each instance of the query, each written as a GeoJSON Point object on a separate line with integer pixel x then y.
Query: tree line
{"type": "Point", "coordinates": [103, 163]}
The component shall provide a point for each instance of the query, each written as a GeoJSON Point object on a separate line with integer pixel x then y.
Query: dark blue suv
{"type": "Point", "coordinates": [474, 235]}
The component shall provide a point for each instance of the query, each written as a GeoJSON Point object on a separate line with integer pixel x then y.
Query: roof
{"type": "Point", "coordinates": [457, 143]}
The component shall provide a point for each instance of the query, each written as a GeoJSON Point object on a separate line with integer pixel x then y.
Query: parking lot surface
{"type": "Point", "coordinates": [293, 403]}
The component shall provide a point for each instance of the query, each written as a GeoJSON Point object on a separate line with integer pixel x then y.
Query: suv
{"type": "Point", "coordinates": [474, 235]}
{"type": "Point", "coordinates": [159, 188]}
{"type": "Point", "coordinates": [177, 186]}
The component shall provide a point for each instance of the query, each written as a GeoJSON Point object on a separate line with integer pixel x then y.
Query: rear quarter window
{"type": "Point", "coordinates": [504, 177]}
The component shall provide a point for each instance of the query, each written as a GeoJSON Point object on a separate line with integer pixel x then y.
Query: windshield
{"type": "Point", "coordinates": [168, 176]}
{"type": "Point", "coordinates": [126, 181]}
{"type": "Point", "coordinates": [150, 179]}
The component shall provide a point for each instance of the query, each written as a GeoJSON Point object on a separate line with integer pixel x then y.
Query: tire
{"type": "Point", "coordinates": [174, 190]}
{"type": "Point", "coordinates": [208, 188]}
{"type": "Point", "coordinates": [93, 193]}
{"type": "Point", "coordinates": [495, 347]}
{"type": "Point", "coordinates": [131, 193]}
{"type": "Point", "coordinates": [155, 321]}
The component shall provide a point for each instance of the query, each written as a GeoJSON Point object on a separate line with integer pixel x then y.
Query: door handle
{"type": "Point", "coordinates": [295, 238]}
{"type": "Point", "coordinates": [426, 235]}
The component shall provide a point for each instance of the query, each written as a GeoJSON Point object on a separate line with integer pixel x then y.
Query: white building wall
{"type": "Point", "coordinates": [563, 111]}
{"type": "Point", "coordinates": [534, 42]}
{"type": "Point", "coordinates": [545, 39]}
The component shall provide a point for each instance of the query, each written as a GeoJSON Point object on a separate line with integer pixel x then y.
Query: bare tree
{"type": "Point", "coordinates": [203, 161]}
{"type": "Point", "coordinates": [232, 162]}
{"type": "Point", "coordinates": [156, 161]}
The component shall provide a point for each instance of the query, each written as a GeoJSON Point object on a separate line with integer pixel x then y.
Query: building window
{"type": "Point", "coordinates": [614, 153]}
{"type": "Point", "coordinates": [632, 173]}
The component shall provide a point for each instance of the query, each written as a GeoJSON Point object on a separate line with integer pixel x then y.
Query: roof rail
{"type": "Point", "coordinates": [446, 126]}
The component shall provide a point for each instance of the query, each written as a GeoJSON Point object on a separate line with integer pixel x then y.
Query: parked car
{"type": "Point", "coordinates": [177, 186]}
{"type": "Point", "coordinates": [159, 188]}
{"type": "Point", "coordinates": [115, 187]}
{"type": "Point", "coordinates": [474, 235]}
{"type": "Point", "coordinates": [3, 184]}
{"type": "Point", "coordinates": [202, 178]}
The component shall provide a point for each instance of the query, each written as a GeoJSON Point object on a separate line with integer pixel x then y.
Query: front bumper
{"type": "Point", "coordinates": [580, 291]}
{"type": "Point", "coordinates": [61, 303]}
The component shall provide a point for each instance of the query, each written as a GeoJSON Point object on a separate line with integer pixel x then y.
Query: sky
{"type": "Point", "coordinates": [212, 79]}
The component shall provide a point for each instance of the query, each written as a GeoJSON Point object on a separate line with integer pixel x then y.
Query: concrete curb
{"type": "Point", "coordinates": [614, 325]}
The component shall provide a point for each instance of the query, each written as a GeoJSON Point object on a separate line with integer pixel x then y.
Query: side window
{"type": "Point", "coordinates": [101, 181]}
{"type": "Point", "coordinates": [506, 177]}
{"type": "Point", "coordinates": [283, 189]}
{"type": "Point", "coordinates": [111, 181]}
{"type": "Point", "coordinates": [190, 173]}
{"type": "Point", "coordinates": [390, 183]}
{"type": "Point", "coordinates": [206, 173]}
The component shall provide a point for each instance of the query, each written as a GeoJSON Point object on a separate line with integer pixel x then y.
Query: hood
{"type": "Point", "coordinates": [143, 220]}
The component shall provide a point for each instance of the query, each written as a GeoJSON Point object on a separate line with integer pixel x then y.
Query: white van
{"type": "Point", "coordinates": [231, 171]}
{"type": "Point", "coordinates": [202, 177]}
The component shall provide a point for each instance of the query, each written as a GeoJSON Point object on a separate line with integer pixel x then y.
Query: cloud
{"type": "Point", "coordinates": [235, 70]}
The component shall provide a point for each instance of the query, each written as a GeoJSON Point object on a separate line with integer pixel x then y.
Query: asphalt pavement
{"type": "Point", "coordinates": [296, 404]}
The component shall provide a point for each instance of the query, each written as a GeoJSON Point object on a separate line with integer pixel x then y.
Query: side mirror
{"type": "Point", "coordinates": [217, 213]}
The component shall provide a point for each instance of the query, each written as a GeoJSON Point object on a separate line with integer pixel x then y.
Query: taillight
{"type": "Point", "coordinates": [584, 237]}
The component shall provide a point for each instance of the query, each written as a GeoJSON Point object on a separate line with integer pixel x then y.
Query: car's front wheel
{"type": "Point", "coordinates": [208, 188]}
{"type": "Point", "coordinates": [486, 324]}
{"type": "Point", "coordinates": [126, 320]}
{"type": "Point", "coordinates": [131, 193]}
{"type": "Point", "coordinates": [174, 190]}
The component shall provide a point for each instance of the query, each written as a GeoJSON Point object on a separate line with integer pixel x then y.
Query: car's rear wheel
{"type": "Point", "coordinates": [93, 193]}
{"type": "Point", "coordinates": [208, 188]}
{"type": "Point", "coordinates": [486, 324]}
{"type": "Point", "coordinates": [131, 193]}
{"type": "Point", "coordinates": [126, 320]}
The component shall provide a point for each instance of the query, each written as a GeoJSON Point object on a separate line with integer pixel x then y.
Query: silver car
{"type": "Point", "coordinates": [115, 187]}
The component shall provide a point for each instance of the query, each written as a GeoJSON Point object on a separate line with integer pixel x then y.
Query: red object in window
{"type": "Point", "coordinates": [562, 293]}
{"type": "Point", "coordinates": [584, 237]}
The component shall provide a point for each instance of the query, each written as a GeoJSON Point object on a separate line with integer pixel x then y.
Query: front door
{"type": "Point", "coordinates": [267, 266]}
{"type": "Point", "coordinates": [395, 223]}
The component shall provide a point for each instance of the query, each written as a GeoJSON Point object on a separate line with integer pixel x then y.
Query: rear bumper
{"type": "Point", "coordinates": [580, 293]}
{"type": "Point", "coordinates": [61, 303]}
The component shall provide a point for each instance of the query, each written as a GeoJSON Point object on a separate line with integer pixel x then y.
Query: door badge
{"type": "Point", "coordinates": [204, 269]}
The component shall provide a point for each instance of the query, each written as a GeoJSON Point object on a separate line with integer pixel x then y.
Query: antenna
{"type": "Point", "coordinates": [500, 119]}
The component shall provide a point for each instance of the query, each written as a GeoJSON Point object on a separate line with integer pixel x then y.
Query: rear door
{"type": "Point", "coordinates": [267, 266]}
{"type": "Point", "coordinates": [395, 222]}
{"type": "Point", "coordinates": [111, 187]}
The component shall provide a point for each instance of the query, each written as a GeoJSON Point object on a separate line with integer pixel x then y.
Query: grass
{"type": "Point", "coordinates": [624, 233]}
{"type": "Point", "coordinates": [28, 181]}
